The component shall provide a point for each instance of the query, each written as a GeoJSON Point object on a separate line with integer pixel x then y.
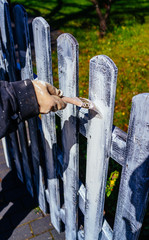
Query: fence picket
{"type": "Point", "coordinates": [2, 77]}
{"type": "Point", "coordinates": [42, 43]}
{"type": "Point", "coordinates": [7, 40]}
{"type": "Point", "coordinates": [2, 63]}
{"type": "Point", "coordinates": [23, 41]}
{"type": "Point", "coordinates": [133, 193]}
{"type": "Point", "coordinates": [102, 87]}
{"type": "Point", "coordinates": [67, 47]}
{"type": "Point", "coordinates": [24, 48]}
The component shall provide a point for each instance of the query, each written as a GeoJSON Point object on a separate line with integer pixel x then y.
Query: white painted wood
{"type": "Point", "coordinates": [24, 49]}
{"type": "Point", "coordinates": [67, 47]}
{"type": "Point", "coordinates": [134, 187]}
{"type": "Point", "coordinates": [106, 233]}
{"type": "Point", "coordinates": [14, 153]}
{"type": "Point", "coordinates": [2, 77]}
{"type": "Point", "coordinates": [118, 144]}
{"type": "Point", "coordinates": [42, 42]}
{"type": "Point", "coordinates": [81, 193]}
{"type": "Point", "coordinates": [2, 63]}
{"type": "Point", "coordinates": [10, 68]}
{"type": "Point", "coordinates": [23, 41]}
{"type": "Point", "coordinates": [80, 235]}
{"type": "Point", "coordinates": [6, 154]}
{"type": "Point", "coordinates": [7, 40]}
{"type": "Point", "coordinates": [102, 87]}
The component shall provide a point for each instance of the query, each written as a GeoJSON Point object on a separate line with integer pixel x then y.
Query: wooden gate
{"type": "Point", "coordinates": [51, 173]}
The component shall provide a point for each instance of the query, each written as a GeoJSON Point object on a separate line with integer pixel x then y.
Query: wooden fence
{"type": "Point", "coordinates": [51, 174]}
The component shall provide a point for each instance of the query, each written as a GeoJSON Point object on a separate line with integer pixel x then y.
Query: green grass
{"type": "Point", "coordinates": [126, 43]}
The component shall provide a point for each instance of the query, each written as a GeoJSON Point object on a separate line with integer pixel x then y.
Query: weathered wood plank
{"type": "Point", "coordinates": [68, 81]}
{"type": "Point", "coordinates": [23, 41]}
{"type": "Point", "coordinates": [118, 143]}
{"type": "Point", "coordinates": [81, 193]}
{"type": "Point", "coordinates": [2, 63]}
{"type": "Point", "coordinates": [102, 88]}
{"type": "Point", "coordinates": [13, 146]}
{"type": "Point", "coordinates": [42, 42]}
{"type": "Point", "coordinates": [6, 141]}
{"type": "Point", "coordinates": [10, 67]}
{"type": "Point", "coordinates": [7, 40]}
{"type": "Point", "coordinates": [106, 233]}
{"type": "Point", "coordinates": [2, 77]}
{"type": "Point", "coordinates": [25, 158]}
{"type": "Point", "coordinates": [24, 49]}
{"type": "Point", "coordinates": [6, 154]}
{"type": "Point", "coordinates": [134, 187]}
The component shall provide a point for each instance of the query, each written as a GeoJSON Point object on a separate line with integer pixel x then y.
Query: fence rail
{"type": "Point", "coordinates": [51, 174]}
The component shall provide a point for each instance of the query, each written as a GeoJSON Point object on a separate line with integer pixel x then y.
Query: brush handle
{"type": "Point", "coordinates": [78, 101]}
{"type": "Point", "coordinates": [74, 100]}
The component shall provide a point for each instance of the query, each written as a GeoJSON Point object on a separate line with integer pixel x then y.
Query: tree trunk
{"type": "Point", "coordinates": [103, 27]}
{"type": "Point", "coordinates": [102, 18]}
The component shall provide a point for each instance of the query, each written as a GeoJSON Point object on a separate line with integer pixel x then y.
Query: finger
{"type": "Point", "coordinates": [60, 93]}
{"type": "Point", "coordinates": [54, 108]}
{"type": "Point", "coordinates": [52, 90]}
{"type": "Point", "coordinates": [60, 103]}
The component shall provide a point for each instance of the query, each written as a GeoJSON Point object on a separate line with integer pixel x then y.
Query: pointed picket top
{"type": "Point", "coordinates": [42, 42]}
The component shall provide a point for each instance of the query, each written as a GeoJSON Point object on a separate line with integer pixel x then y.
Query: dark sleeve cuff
{"type": "Point", "coordinates": [26, 99]}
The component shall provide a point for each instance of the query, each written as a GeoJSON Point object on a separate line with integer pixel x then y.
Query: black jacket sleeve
{"type": "Point", "coordinates": [17, 102]}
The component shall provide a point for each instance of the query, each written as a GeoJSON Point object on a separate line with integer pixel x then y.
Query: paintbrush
{"type": "Point", "coordinates": [79, 101]}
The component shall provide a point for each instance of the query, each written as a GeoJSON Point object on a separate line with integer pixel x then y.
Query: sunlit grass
{"type": "Point", "coordinates": [128, 48]}
{"type": "Point", "coordinates": [126, 43]}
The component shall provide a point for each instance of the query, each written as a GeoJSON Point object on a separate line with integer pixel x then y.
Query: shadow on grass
{"type": "Point", "coordinates": [132, 11]}
{"type": "Point", "coordinates": [63, 11]}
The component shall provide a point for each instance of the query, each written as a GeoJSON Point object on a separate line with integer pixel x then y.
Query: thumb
{"type": "Point", "coordinates": [52, 90]}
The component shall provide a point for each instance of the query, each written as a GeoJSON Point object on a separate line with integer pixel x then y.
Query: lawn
{"type": "Point", "coordinates": [126, 43]}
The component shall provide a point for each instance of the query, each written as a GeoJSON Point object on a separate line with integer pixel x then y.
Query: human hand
{"type": "Point", "coordinates": [48, 97]}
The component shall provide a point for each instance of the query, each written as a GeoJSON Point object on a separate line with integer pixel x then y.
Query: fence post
{"type": "Point", "coordinates": [67, 47]}
{"type": "Point", "coordinates": [41, 30]}
{"type": "Point", "coordinates": [134, 187]}
{"type": "Point", "coordinates": [102, 88]}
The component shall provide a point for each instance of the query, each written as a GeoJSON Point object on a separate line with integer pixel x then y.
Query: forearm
{"type": "Point", "coordinates": [17, 102]}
